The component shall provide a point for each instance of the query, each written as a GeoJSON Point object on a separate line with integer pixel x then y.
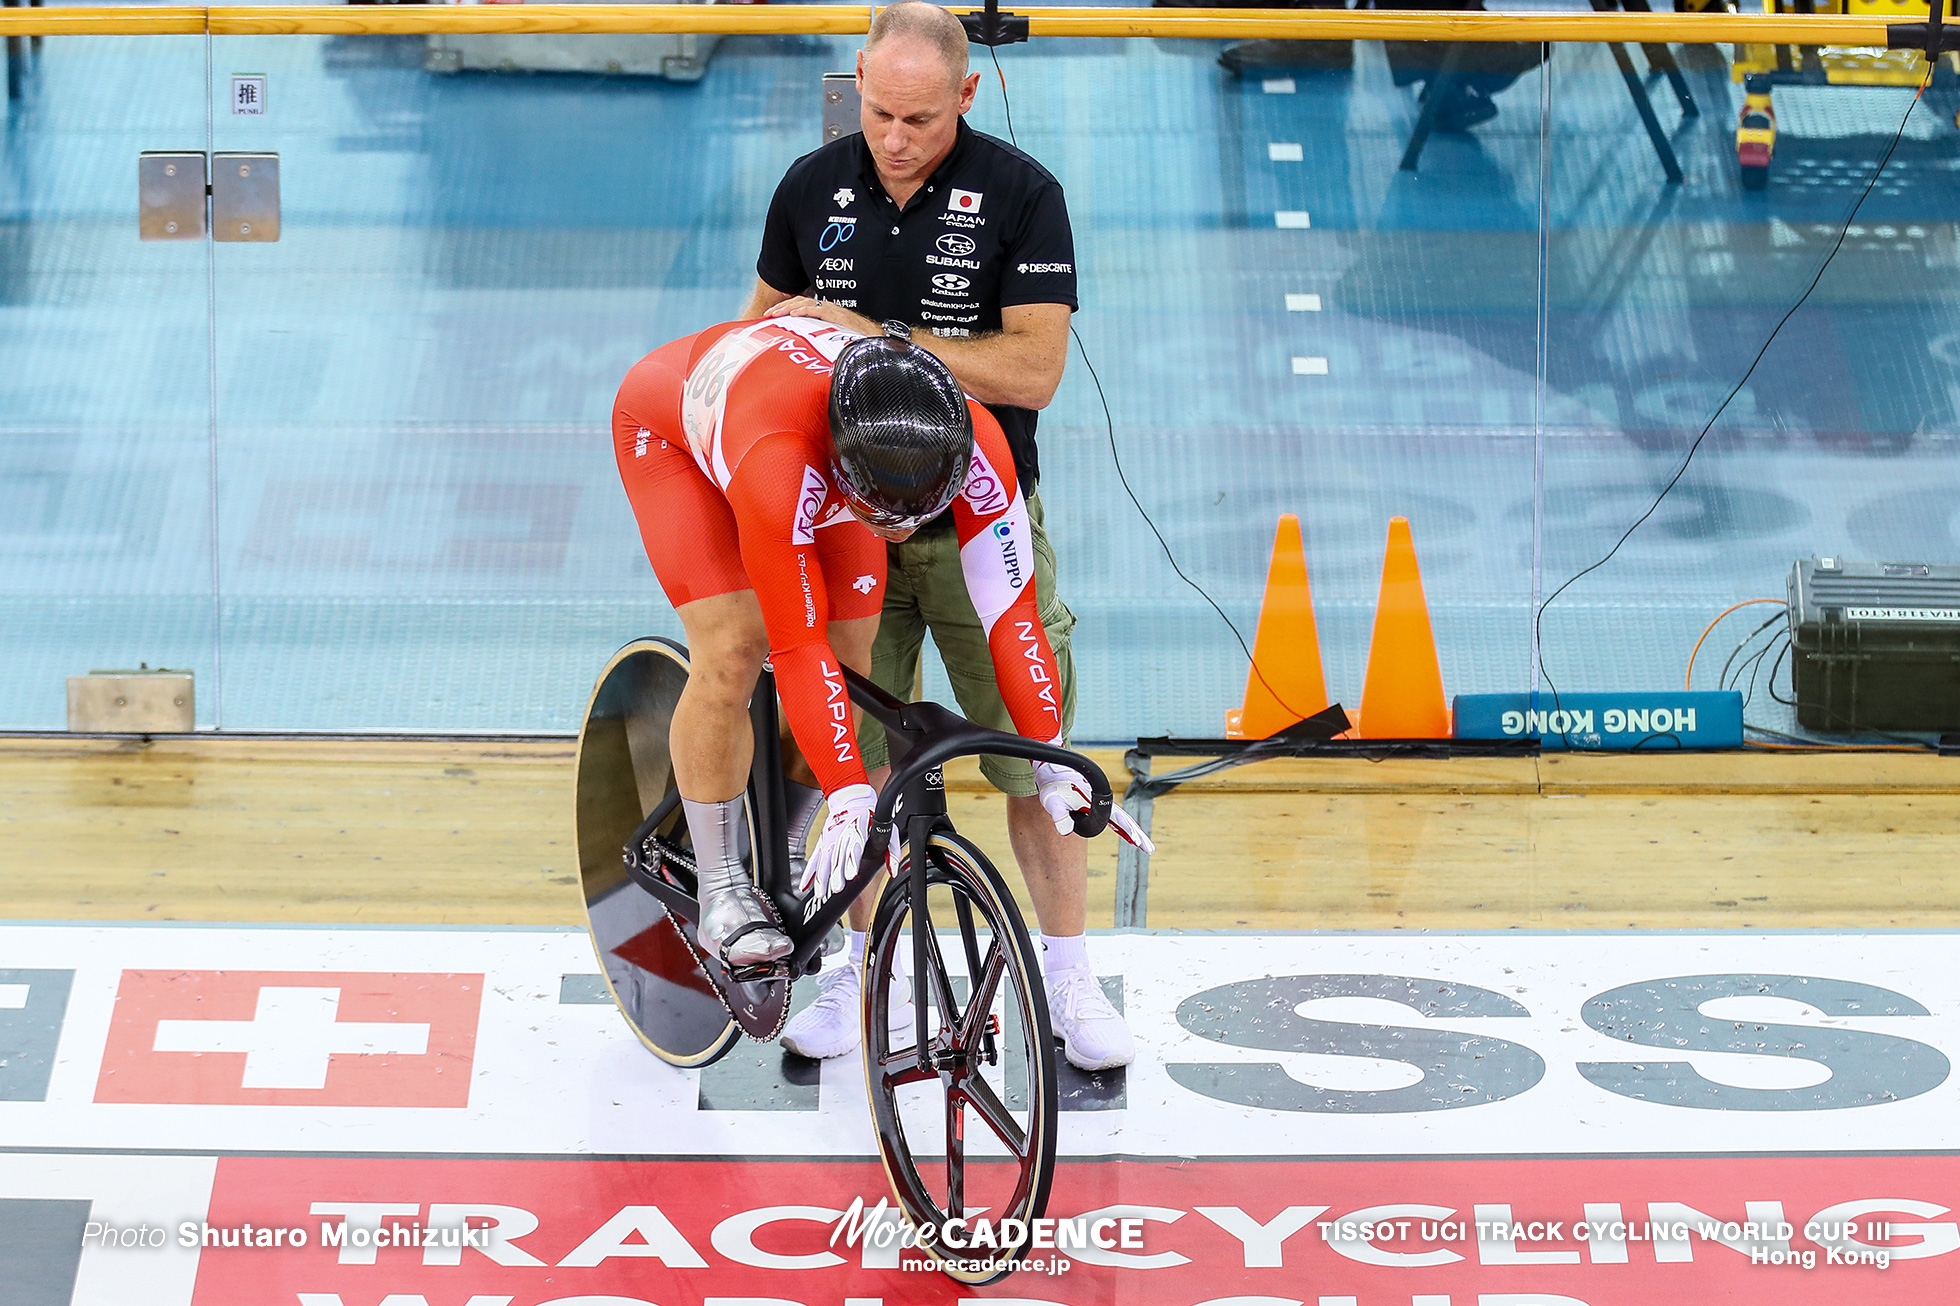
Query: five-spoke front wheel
{"type": "Point", "coordinates": [966, 1122]}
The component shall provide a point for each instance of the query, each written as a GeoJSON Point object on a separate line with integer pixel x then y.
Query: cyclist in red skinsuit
{"type": "Point", "coordinates": [723, 442]}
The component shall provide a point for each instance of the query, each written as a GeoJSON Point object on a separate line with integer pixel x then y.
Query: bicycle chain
{"type": "Point", "coordinates": [658, 851]}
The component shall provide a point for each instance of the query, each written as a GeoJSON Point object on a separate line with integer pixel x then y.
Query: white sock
{"type": "Point", "coordinates": [857, 949]}
{"type": "Point", "coordinates": [1064, 952]}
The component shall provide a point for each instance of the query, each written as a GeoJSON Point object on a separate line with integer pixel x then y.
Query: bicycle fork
{"type": "Point", "coordinates": [922, 807]}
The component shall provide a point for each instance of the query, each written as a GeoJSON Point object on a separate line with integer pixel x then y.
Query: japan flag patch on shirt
{"type": "Point", "coordinates": [963, 201]}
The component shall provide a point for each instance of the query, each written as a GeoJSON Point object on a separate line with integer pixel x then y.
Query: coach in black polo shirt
{"type": "Point", "coordinates": [923, 220]}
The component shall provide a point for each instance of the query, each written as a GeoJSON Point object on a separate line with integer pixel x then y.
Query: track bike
{"type": "Point", "coordinates": [979, 1044]}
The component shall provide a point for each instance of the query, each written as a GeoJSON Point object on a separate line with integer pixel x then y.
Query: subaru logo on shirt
{"type": "Point", "coordinates": [950, 282]}
{"type": "Point", "coordinates": [955, 244]}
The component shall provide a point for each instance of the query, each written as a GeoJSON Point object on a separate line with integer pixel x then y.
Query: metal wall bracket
{"type": "Point", "coordinates": [245, 196]}
{"type": "Point", "coordinates": [170, 190]}
{"type": "Point", "coordinates": [842, 107]}
{"type": "Point", "coordinates": [240, 198]}
{"type": "Point", "coordinates": [141, 702]}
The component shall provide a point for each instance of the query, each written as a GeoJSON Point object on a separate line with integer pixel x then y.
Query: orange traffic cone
{"type": "Point", "coordinates": [1402, 697]}
{"type": "Point", "coordinates": [1285, 683]}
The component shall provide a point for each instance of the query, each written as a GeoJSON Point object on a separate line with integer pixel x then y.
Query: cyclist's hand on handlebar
{"type": "Point", "coordinates": [1064, 792]}
{"type": "Point", "coordinates": [841, 845]}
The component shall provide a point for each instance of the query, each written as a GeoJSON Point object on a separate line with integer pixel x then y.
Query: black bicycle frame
{"type": "Point", "coordinates": [923, 738]}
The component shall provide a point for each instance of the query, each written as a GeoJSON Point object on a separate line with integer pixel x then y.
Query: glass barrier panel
{"type": "Point", "coordinates": [481, 234]}
{"type": "Point", "coordinates": [105, 395]}
{"type": "Point", "coordinates": [424, 527]}
{"type": "Point", "coordinates": [1285, 320]}
{"type": "Point", "coordinates": [1665, 297]}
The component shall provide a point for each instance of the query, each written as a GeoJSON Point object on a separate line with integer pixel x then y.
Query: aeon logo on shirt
{"type": "Point", "coordinates": [809, 501]}
{"type": "Point", "coordinates": [982, 491]}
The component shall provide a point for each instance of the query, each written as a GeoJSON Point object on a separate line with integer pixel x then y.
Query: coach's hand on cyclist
{"type": "Point", "coordinates": [841, 845]}
{"type": "Point", "coordinates": [1064, 792]}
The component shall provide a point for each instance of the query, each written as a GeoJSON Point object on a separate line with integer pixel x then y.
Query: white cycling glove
{"type": "Point", "coordinates": [841, 845]}
{"type": "Point", "coordinates": [1064, 792]}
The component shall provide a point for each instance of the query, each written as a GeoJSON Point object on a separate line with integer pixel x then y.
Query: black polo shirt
{"type": "Point", "coordinates": [989, 229]}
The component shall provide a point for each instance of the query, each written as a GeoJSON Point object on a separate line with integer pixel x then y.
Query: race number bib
{"type": "Point", "coordinates": [807, 342]}
{"type": "Point", "coordinates": [705, 397]}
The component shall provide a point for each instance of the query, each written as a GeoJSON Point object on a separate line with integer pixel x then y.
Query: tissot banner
{"type": "Point", "coordinates": [410, 1117]}
{"type": "Point", "coordinates": [1810, 1231]}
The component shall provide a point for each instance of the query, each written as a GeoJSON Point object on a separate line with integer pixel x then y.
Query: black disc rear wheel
{"type": "Point", "coordinates": [988, 1058]}
{"type": "Point", "coordinates": [624, 772]}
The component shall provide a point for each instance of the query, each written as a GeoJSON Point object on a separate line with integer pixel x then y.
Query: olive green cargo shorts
{"type": "Point", "coordinates": [925, 590]}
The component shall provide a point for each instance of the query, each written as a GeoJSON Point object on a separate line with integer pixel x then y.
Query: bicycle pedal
{"type": "Point", "coordinates": [758, 974]}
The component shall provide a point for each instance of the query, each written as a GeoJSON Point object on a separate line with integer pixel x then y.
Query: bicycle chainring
{"type": "Point", "coordinates": [760, 1005]}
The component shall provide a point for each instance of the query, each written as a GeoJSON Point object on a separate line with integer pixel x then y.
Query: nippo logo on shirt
{"type": "Point", "coordinates": [288, 1038]}
{"type": "Point", "coordinates": [809, 501]}
{"type": "Point", "coordinates": [963, 201]}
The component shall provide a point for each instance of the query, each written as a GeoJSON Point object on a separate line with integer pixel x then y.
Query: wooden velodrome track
{"type": "Point", "coordinates": [480, 832]}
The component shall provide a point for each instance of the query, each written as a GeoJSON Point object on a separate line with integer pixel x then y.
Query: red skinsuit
{"type": "Point", "coordinates": [723, 441]}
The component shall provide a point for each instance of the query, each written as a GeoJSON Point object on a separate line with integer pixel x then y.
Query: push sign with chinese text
{"type": "Point", "coordinates": [248, 94]}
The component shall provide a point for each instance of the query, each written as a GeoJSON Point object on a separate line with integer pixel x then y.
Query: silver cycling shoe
{"type": "Point", "coordinates": [736, 927]}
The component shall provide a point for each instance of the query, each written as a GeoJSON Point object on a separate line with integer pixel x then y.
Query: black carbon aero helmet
{"type": "Point", "coordinates": [901, 435]}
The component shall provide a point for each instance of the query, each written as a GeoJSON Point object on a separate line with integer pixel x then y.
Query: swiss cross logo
{"type": "Point", "coordinates": [288, 1038]}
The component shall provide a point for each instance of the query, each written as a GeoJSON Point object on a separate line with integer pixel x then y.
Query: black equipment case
{"type": "Point", "coordinates": [1876, 645]}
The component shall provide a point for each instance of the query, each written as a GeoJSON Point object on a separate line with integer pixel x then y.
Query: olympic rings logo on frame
{"type": "Point", "coordinates": [836, 234]}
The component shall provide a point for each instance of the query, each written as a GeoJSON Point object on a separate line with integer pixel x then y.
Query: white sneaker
{"type": "Point", "coordinates": [1093, 1035]}
{"type": "Point", "coordinates": [834, 1023]}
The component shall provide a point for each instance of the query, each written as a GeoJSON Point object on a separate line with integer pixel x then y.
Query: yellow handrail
{"type": "Point", "coordinates": [1044, 20]}
{"type": "Point", "coordinates": [106, 21]}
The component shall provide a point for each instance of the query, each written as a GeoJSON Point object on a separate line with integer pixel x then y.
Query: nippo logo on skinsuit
{"type": "Point", "coordinates": [1010, 557]}
{"type": "Point", "coordinates": [809, 501]}
{"type": "Point", "coordinates": [317, 1038]}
